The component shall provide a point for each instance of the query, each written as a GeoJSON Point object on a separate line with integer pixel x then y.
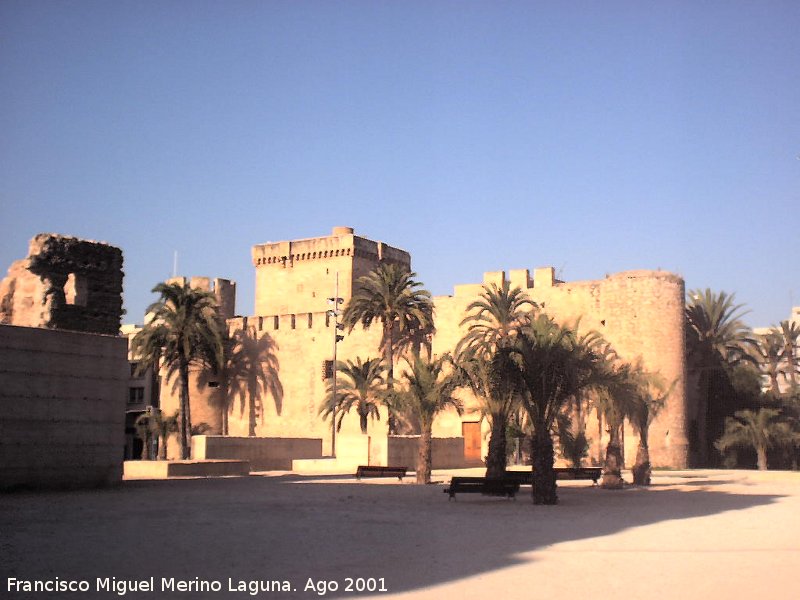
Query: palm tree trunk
{"type": "Point", "coordinates": [544, 477]}
{"type": "Point", "coordinates": [774, 387]}
{"type": "Point", "coordinates": [389, 355]}
{"type": "Point", "coordinates": [761, 453]}
{"type": "Point", "coordinates": [185, 434]}
{"type": "Point", "coordinates": [147, 444]}
{"type": "Point", "coordinates": [424, 457]}
{"type": "Point", "coordinates": [641, 468]}
{"type": "Point", "coordinates": [162, 444]}
{"type": "Point", "coordinates": [363, 421]}
{"type": "Point", "coordinates": [224, 406]}
{"type": "Point", "coordinates": [496, 459]}
{"type": "Point", "coordinates": [612, 468]}
{"type": "Point", "coordinates": [599, 437]}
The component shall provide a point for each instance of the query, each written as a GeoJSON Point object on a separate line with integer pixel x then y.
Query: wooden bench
{"type": "Point", "coordinates": [373, 471]}
{"type": "Point", "coordinates": [481, 485]}
{"type": "Point", "coordinates": [526, 477]}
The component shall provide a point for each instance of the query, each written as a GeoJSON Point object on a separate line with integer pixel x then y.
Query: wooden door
{"type": "Point", "coordinates": [472, 441]}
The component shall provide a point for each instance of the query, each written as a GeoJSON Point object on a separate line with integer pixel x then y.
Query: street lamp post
{"type": "Point", "coordinates": [337, 337]}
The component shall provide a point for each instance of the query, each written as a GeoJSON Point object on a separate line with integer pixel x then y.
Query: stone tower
{"type": "Point", "coordinates": [299, 276]}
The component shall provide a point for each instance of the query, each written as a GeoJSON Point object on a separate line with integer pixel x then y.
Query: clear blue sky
{"type": "Point", "coordinates": [592, 136]}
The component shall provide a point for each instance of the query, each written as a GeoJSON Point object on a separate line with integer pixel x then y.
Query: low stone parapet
{"type": "Point", "coordinates": [324, 466]}
{"type": "Point", "coordinates": [263, 453]}
{"type": "Point", "coordinates": [164, 469]}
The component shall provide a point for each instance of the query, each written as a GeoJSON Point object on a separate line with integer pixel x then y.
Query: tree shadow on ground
{"type": "Point", "coordinates": [291, 528]}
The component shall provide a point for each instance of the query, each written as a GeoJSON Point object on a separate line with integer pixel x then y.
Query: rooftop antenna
{"type": "Point", "coordinates": [175, 264]}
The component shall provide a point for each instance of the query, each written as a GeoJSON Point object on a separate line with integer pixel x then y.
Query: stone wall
{"type": "Point", "coordinates": [263, 453]}
{"type": "Point", "coordinates": [639, 312]}
{"type": "Point", "coordinates": [299, 276]}
{"type": "Point", "coordinates": [224, 291]}
{"type": "Point", "coordinates": [62, 408]}
{"type": "Point", "coordinates": [446, 453]}
{"type": "Point", "coordinates": [64, 283]}
{"type": "Point", "coordinates": [300, 351]}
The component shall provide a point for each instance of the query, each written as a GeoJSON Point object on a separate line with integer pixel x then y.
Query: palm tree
{"type": "Point", "coordinates": [486, 376]}
{"type": "Point", "coordinates": [651, 396]}
{"type": "Point", "coordinates": [572, 444]}
{"type": "Point", "coordinates": [144, 430]}
{"type": "Point", "coordinates": [494, 320]}
{"type": "Point", "coordinates": [790, 332]}
{"type": "Point", "coordinates": [391, 296]}
{"type": "Point", "coordinates": [495, 317]}
{"type": "Point", "coordinates": [185, 329]}
{"type": "Point", "coordinates": [761, 430]}
{"type": "Point", "coordinates": [252, 369]}
{"type": "Point", "coordinates": [429, 387]}
{"type": "Point", "coordinates": [551, 366]}
{"type": "Point", "coordinates": [616, 400]}
{"type": "Point", "coordinates": [164, 426]}
{"type": "Point", "coordinates": [716, 340]}
{"type": "Point", "coordinates": [154, 425]}
{"type": "Point", "coordinates": [768, 352]}
{"type": "Point", "coordinates": [716, 327]}
{"type": "Point", "coordinates": [361, 386]}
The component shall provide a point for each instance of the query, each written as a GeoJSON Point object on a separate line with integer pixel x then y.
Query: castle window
{"type": "Point", "coordinates": [276, 322]}
{"type": "Point", "coordinates": [76, 290]}
{"type": "Point", "coordinates": [260, 323]}
{"type": "Point", "coordinates": [293, 321]}
{"type": "Point", "coordinates": [310, 320]}
{"type": "Point", "coordinates": [135, 395]}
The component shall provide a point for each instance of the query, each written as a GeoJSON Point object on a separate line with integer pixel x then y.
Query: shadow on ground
{"type": "Point", "coordinates": [296, 529]}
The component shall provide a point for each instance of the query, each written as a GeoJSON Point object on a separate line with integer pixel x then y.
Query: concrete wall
{"type": "Point", "coordinates": [446, 453]}
{"type": "Point", "coordinates": [264, 454]}
{"type": "Point", "coordinates": [62, 408]}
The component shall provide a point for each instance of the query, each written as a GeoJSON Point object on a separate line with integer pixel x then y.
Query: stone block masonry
{"type": "Point", "coordinates": [641, 313]}
{"type": "Point", "coordinates": [64, 283]}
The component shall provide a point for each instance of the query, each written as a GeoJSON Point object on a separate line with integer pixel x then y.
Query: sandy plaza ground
{"type": "Point", "coordinates": [693, 534]}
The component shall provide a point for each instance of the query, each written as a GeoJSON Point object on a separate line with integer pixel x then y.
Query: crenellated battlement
{"type": "Point", "coordinates": [640, 313]}
{"type": "Point", "coordinates": [299, 275]}
{"type": "Point", "coordinates": [282, 322]}
{"type": "Point", "coordinates": [341, 243]}
{"type": "Point", "coordinates": [224, 291]}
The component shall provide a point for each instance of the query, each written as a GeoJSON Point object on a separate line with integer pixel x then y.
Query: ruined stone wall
{"type": "Point", "coordinates": [65, 283]}
{"type": "Point", "coordinates": [62, 408]}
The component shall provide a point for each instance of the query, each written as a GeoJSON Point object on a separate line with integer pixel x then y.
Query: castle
{"type": "Point", "coordinates": [641, 313]}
